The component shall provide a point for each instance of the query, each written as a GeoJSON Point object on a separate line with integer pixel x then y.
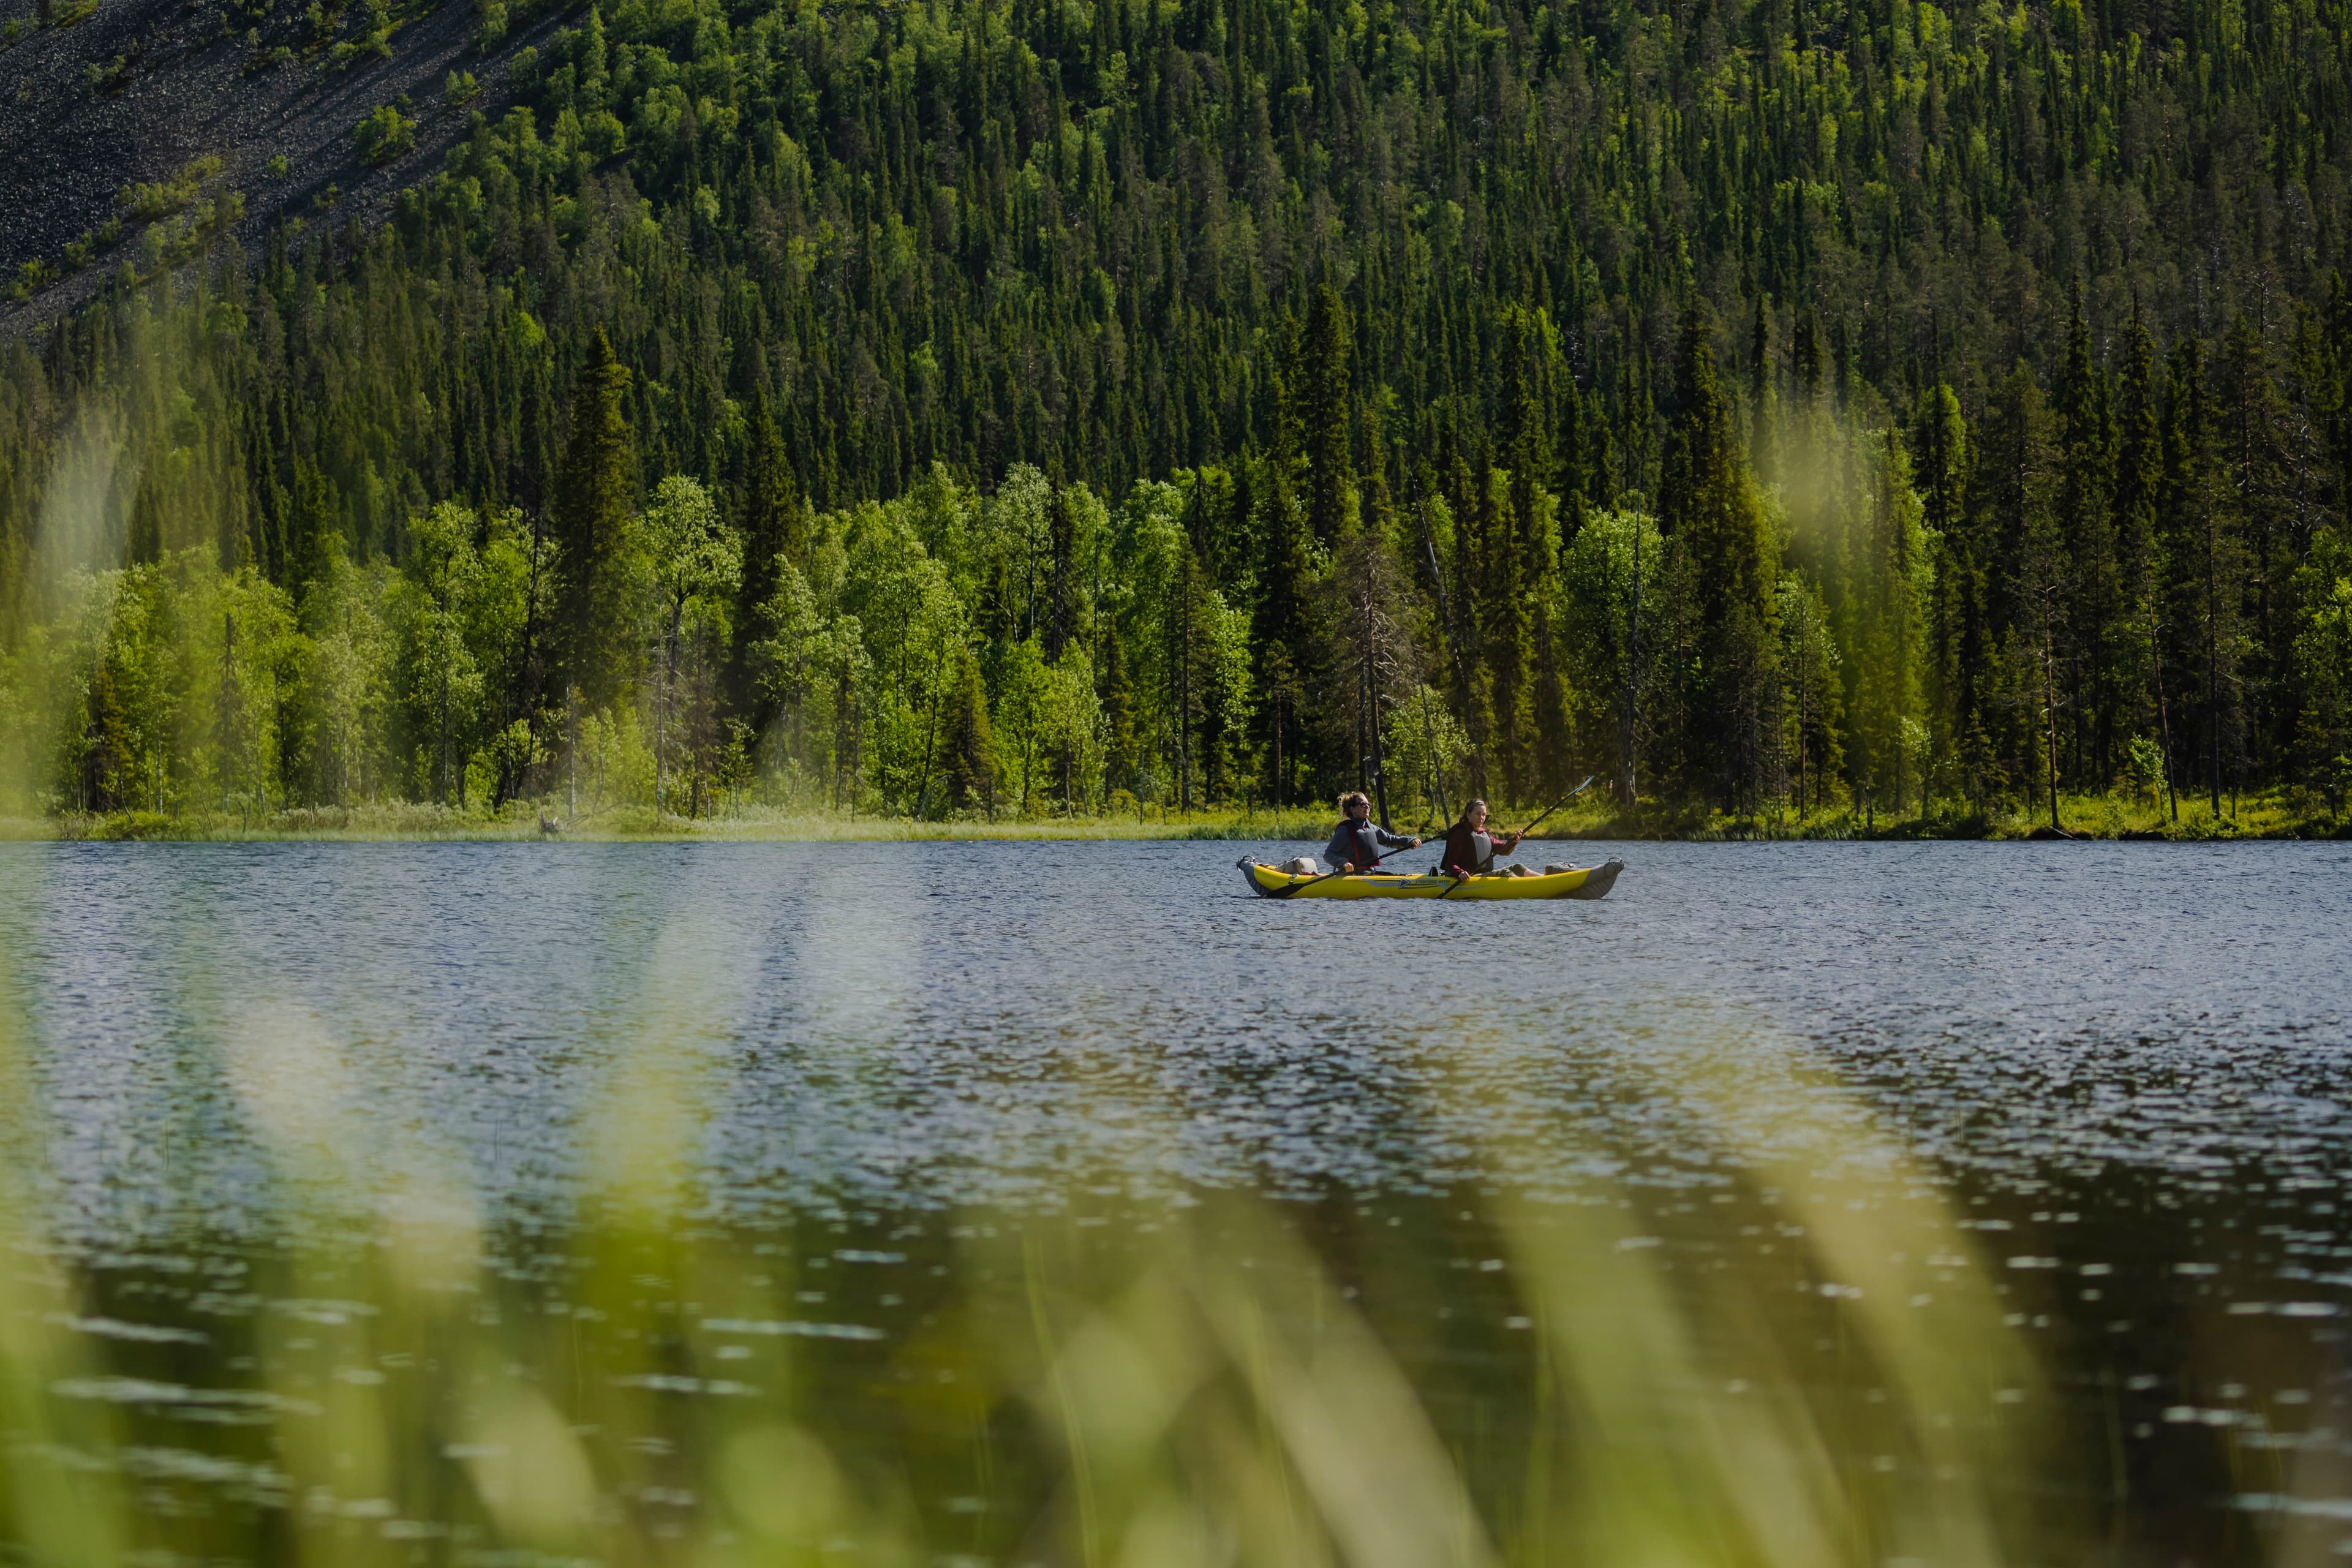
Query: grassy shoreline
{"type": "Point", "coordinates": [2267, 817]}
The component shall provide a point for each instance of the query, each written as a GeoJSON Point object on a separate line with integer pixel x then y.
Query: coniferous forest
{"type": "Point", "coordinates": [1777, 408]}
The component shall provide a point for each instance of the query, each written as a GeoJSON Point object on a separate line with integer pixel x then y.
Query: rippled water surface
{"type": "Point", "coordinates": [2124, 1067]}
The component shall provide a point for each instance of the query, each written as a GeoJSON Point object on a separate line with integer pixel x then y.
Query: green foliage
{"type": "Point", "coordinates": [595, 496]}
{"type": "Point", "coordinates": [1909, 305]}
{"type": "Point", "coordinates": [2323, 649]}
{"type": "Point", "coordinates": [147, 201]}
{"type": "Point", "coordinates": [1723, 568]}
{"type": "Point", "coordinates": [383, 135]}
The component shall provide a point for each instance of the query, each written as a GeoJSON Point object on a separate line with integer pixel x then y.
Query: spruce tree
{"type": "Point", "coordinates": [1530, 363]}
{"type": "Point", "coordinates": [2200, 553]}
{"type": "Point", "coordinates": [2271, 537]}
{"type": "Point", "coordinates": [1964, 678]}
{"type": "Point", "coordinates": [2086, 627]}
{"type": "Point", "coordinates": [1324, 411]}
{"type": "Point", "coordinates": [1281, 620]}
{"type": "Point", "coordinates": [774, 531]}
{"type": "Point", "coordinates": [1727, 570]}
{"type": "Point", "coordinates": [2132, 659]}
{"type": "Point", "coordinates": [970, 744]}
{"type": "Point", "coordinates": [595, 495]}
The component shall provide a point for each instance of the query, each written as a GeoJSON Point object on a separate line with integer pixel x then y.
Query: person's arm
{"type": "Point", "coordinates": [1341, 854]}
{"type": "Point", "coordinates": [1387, 840]}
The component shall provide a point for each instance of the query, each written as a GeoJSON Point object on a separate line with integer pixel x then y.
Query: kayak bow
{"type": "Point", "coordinates": [1583, 882]}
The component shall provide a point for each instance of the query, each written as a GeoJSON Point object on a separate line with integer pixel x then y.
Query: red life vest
{"type": "Point", "coordinates": [1470, 848]}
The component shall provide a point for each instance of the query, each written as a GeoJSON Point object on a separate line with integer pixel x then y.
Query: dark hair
{"type": "Point", "coordinates": [1354, 797]}
{"type": "Point", "coordinates": [1474, 805]}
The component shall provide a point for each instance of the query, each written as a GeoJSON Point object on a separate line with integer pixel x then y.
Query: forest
{"type": "Point", "coordinates": [1782, 410]}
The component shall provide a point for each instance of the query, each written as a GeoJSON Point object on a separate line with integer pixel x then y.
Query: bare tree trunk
{"type": "Point", "coordinates": [519, 692]}
{"type": "Point", "coordinates": [2212, 662]}
{"type": "Point", "coordinates": [228, 705]}
{"type": "Point", "coordinates": [2050, 714]}
{"type": "Point", "coordinates": [1453, 639]}
{"type": "Point", "coordinates": [1185, 691]}
{"type": "Point", "coordinates": [2163, 720]}
{"type": "Point", "coordinates": [931, 733]}
{"type": "Point", "coordinates": [1633, 672]}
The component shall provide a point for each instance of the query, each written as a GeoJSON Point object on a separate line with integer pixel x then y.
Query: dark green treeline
{"type": "Point", "coordinates": [1768, 404]}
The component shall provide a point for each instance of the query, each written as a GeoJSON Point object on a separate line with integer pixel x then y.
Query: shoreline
{"type": "Point", "coordinates": [2092, 818]}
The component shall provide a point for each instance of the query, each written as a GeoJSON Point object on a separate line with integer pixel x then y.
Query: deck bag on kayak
{"type": "Point", "coordinates": [1303, 866]}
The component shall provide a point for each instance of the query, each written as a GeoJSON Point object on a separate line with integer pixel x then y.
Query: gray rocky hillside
{"type": "Point", "coordinates": [137, 131]}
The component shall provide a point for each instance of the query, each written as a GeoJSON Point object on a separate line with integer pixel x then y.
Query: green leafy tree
{"type": "Point", "coordinates": [695, 565]}
{"type": "Point", "coordinates": [385, 134]}
{"type": "Point", "coordinates": [443, 681]}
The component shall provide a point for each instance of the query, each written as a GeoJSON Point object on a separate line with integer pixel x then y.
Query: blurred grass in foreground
{"type": "Point", "coordinates": [1223, 1381]}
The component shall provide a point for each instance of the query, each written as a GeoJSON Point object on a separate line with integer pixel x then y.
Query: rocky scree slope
{"type": "Point", "coordinates": [97, 96]}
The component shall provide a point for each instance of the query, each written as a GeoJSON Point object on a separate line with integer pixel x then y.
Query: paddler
{"type": "Point", "coordinates": [1357, 842]}
{"type": "Point", "coordinates": [1470, 849]}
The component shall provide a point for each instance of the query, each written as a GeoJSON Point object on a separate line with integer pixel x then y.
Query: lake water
{"type": "Point", "coordinates": [2109, 1084]}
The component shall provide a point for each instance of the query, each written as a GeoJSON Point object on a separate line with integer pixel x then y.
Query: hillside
{"type": "Point", "coordinates": [107, 97]}
{"type": "Point", "coordinates": [960, 407]}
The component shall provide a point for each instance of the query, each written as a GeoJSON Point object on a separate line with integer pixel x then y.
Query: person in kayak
{"type": "Point", "coordinates": [1470, 849]}
{"type": "Point", "coordinates": [1357, 842]}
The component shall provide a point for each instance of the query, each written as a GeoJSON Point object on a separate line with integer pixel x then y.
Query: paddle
{"type": "Point", "coordinates": [1328, 875]}
{"type": "Point", "coordinates": [1554, 806]}
{"type": "Point", "coordinates": [1531, 826]}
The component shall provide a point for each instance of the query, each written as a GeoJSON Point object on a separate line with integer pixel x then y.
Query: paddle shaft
{"type": "Point", "coordinates": [1401, 848]}
{"type": "Point", "coordinates": [1554, 806]}
{"type": "Point", "coordinates": [1531, 826]}
{"type": "Point", "coordinates": [1328, 875]}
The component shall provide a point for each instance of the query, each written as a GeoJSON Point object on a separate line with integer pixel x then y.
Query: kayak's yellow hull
{"type": "Point", "coordinates": [1585, 882]}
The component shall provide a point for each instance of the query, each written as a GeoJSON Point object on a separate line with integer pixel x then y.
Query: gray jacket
{"type": "Point", "coordinates": [1359, 843]}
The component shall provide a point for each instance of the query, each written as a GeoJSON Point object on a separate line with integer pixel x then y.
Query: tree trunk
{"type": "Point", "coordinates": [2050, 714]}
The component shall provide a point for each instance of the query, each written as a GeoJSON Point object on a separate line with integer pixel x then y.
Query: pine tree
{"type": "Point", "coordinates": [595, 499]}
{"type": "Point", "coordinates": [970, 742]}
{"type": "Point", "coordinates": [1530, 366]}
{"type": "Point", "coordinates": [2009, 505]}
{"type": "Point", "coordinates": [1964, 678]}
{"type": "Point", "coordinates": [2272, 539]}
{"type": "Point", "coordinates": [1281, 621]}
{"type": "Point", "coordinates": [2086, 628]}
{"type": "Point", "coordinates": [1324, 408]}
{"type": "Point", "coordinates": [2132, 660]}
{"type": "Point", "coordinates": [1727, 572]}
{"type": "Point", "coordinates": [2202, 554]}
{"type": "Point", "coordinates": [774, 533]}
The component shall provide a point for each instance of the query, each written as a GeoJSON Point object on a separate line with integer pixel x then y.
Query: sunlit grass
{"type": "Point", "coordinates": [2270, 813]}
{"type": "Point", "coordinates": [424, 822]}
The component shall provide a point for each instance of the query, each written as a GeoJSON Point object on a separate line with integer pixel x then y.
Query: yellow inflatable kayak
{"type": "Point", "coordinates": [1583, 882]}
